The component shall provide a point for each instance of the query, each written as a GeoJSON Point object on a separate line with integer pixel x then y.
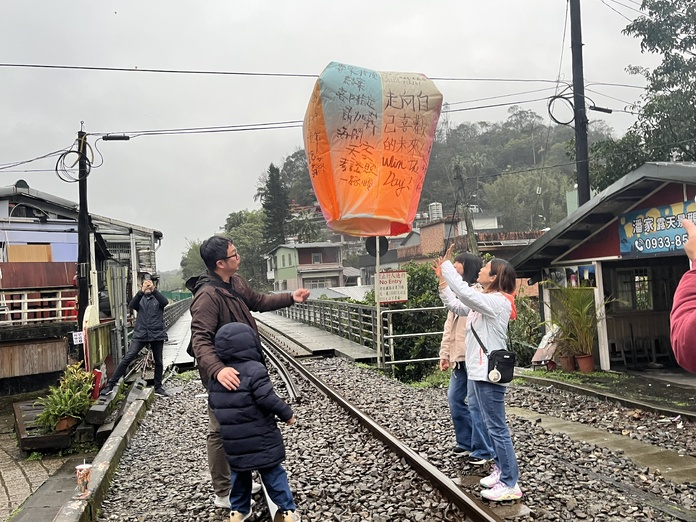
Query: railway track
{"type": "Point", "coordinates": [340, 471]}
{"type": "Point", "coordinates": [274, 348]}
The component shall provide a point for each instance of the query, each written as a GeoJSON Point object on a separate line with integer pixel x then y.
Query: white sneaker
{"type": "Point", "coordinates": [255, 488]}
{"type": "Point", "coordinates": [501, 492]}
{"type": "Point", "coordinates": [222, 502]}
{"type": "Point", "coordinates": [492, 479]}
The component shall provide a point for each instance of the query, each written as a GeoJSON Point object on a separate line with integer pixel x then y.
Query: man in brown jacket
{"type": "Point", "coordinates": [220, 296]}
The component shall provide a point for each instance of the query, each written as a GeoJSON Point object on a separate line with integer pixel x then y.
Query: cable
{"type": "Point", "coordinates": [641, 87]}
{"type": "Point", "coordinates": [4, 166]}
{"type": "Point", "coordinates": [503, 95]}
{"type": "Point", "coordinates": [631, 8]}
{"type": "Point", "coordinates": [566, 18]}
{"type": "Point", "coordinates": [610, 97]}
{"type": "Point", "coordinates": [63, 171]}
{"type": "Point", "coordinates": [617, 11]}
{"type": "Point", "coordinates": [201, 130]}
{"type": "Point", "coordinates": [267, 74]}
{"type": "Point", "coordinates": [519, 102]}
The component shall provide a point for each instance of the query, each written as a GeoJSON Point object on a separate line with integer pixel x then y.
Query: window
{"type": "Point", "coordinates": [317, 283]}
{"type": "Point", "coordinates": [316, 259]}
{"type": "Point", "coordinates": [283, 260]}
{"type": "Point", "coordinates": [634, 289]}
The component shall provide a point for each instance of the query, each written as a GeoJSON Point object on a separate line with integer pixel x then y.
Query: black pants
{"type": "Point", "coordinates": [133, 350]}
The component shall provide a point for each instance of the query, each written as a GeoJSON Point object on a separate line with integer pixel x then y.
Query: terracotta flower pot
{"type": "Point", "coordinates": [66, 423]}
{"type": "Point", "coordinates": [567, 363]}
{"type": "Point", "coordinates": [585, 363]}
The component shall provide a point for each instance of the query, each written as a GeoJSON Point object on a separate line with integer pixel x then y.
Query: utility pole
{"type": "Point", "coordinates": [471, 242]}
{"type": "Point", "coordinates": [82, 232]}
{"type": "Point", "coordinates": [582, 165]}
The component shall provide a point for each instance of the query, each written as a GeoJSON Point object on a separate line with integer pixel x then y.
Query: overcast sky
{"type": "Point", "coordinates": [185, 186]}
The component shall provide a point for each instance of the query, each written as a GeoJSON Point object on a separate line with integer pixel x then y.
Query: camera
{"type": "Point", "coordinates": [494, 375]}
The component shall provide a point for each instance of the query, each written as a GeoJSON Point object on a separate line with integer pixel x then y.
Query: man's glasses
{"type": "Point", "coordinates": [236, 254]}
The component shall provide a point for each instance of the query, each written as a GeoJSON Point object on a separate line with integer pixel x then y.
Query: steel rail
{"type": "Point", "coordinates": [473, 509]}
{"type": "Point", "coordinates": [280, 368]}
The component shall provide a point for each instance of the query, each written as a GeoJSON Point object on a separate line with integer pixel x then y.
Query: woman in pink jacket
{"type": "Point", "coordinates": [683, 316]}
{"type": "Point", "coordinates": [470, 431]}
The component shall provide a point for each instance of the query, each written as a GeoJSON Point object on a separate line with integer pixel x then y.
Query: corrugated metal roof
{"type": "Point", "coordinates": [600, 211]}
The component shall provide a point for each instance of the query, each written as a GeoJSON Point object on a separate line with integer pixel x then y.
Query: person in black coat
{"type": "Point", "coordinates": [149, 329]}
{"type": "Point", "coordinates": [248, 425]}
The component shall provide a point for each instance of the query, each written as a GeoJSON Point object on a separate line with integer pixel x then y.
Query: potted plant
{"type": "Point", "coordinates": [66, 404]}
{"type": "Point", "coordinates": [574, 311]}
{"type": "Point", "coordinates": [565, 353]}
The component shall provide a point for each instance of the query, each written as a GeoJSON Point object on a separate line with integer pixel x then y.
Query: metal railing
{"type": "Point", "coordinates": [358, 323]}
{"type": "Point", "coordinates": [354, 322]}
{"type": "Point", "coordinates": [37, 305]}
{"type": "Point", "coordinates": [174, 310]}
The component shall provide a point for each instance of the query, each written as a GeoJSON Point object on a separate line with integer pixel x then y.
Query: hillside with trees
{"type": "Point", "coordinates": [519, 169]}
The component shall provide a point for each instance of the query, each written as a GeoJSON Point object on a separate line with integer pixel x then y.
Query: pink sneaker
{"type": "Point", "coordinates": [500, 492]}
{"type": "Point", "coordinates": [492, 479]}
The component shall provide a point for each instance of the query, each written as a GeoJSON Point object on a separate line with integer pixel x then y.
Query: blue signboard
{"type": "Point", "coordinates": [655, 231]}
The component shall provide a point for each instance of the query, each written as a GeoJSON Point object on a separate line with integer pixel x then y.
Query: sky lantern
{"type": "Point", "coordinates": [368, 137]}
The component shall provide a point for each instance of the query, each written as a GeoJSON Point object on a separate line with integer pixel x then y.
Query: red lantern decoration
{"type": "Point", "coordinates": [368, 137]}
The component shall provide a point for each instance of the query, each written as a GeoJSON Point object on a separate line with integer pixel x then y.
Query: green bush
{"type": "Point", "coordinates": [71, 398]}
{"type": "Point", "coordinates": [422, 293]}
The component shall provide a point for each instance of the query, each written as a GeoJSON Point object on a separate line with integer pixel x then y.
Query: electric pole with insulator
{"type": "Point", "coordinates": [82, 231]}
{"type": "Point", "coordinates": [582, 165]}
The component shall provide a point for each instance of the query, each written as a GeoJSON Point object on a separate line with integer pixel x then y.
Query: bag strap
{"type": "Point", "coordinates": [479, 340]}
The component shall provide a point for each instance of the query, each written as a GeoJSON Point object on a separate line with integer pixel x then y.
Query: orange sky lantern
{"type": "Point", "coordinates": [368, 137]}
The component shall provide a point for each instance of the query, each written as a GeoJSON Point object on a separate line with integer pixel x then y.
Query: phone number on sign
{"type": "Point", "coordinates": [661, 243]}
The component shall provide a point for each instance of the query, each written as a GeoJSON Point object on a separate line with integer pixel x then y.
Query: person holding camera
{"type": "Point", "coordinates": [149, 329]}
{"type": "Point", "coordinates": [488, 314]}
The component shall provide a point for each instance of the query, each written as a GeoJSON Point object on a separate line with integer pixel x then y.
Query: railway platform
{"type": "Point", "coordinates": [44, 491]}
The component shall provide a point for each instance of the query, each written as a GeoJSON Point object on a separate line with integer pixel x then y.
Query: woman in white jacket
{"type": "Point", "coordinates": [469, 430]}
{"type": "Point", "coordinates": [488, 312]}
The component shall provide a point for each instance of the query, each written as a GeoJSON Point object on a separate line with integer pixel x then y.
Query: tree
{"type": "Point", "coordinates": [248, 237]}
{"type": "Point", "coordinates": [276, 208]}
{"type": "Point", "coordinates": [296, 178]}
{"type": "Point", "coordinates": [246, 230]}
{"type": "Point", "coordinates": [668, 108]}
{"type": "Point", "coordinates": [191, 262]}
{"type": "Point", "coordinates": [666, 126]}
{"type": "Point", "coordinates": [523, 204]}
{"type": "Point", "coordinates": [306, 227]}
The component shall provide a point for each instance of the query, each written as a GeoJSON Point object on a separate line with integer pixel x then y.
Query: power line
{"type": "Point", "coordinates": [503, 96]}
{"type": "Point", "coordinates": [261, 74]}
{"type": "Point", "coordinates": [617, 11]}
{"type": "Point", "coordinates": [5, 166]}
{"type": "Point", "coordinates": [519, 102]}
{"type": "Point", "coordinates": [631, 8]}
{"type": "Point", "coordinates": [199, 130]}
{"type": "Point", "coordinates": [162, 71]}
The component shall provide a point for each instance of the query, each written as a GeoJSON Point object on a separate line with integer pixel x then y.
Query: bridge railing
{"type": "Point", "coordinates": [358, 323]}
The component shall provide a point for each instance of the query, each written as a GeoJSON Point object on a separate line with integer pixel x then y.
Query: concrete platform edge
{"type": "Point", "coordinates": [667, 412]}
{"type": "Point", "coordinates": [104, 465]}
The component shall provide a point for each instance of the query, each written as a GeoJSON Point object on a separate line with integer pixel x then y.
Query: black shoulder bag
{"type": "Point", "coordinates": [501, 363]}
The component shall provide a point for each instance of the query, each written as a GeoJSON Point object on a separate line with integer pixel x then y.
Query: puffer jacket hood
{"type": "Point", "coordinates": [237, 342]}
{"type": "Point", "coordinates": [247, 415]}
